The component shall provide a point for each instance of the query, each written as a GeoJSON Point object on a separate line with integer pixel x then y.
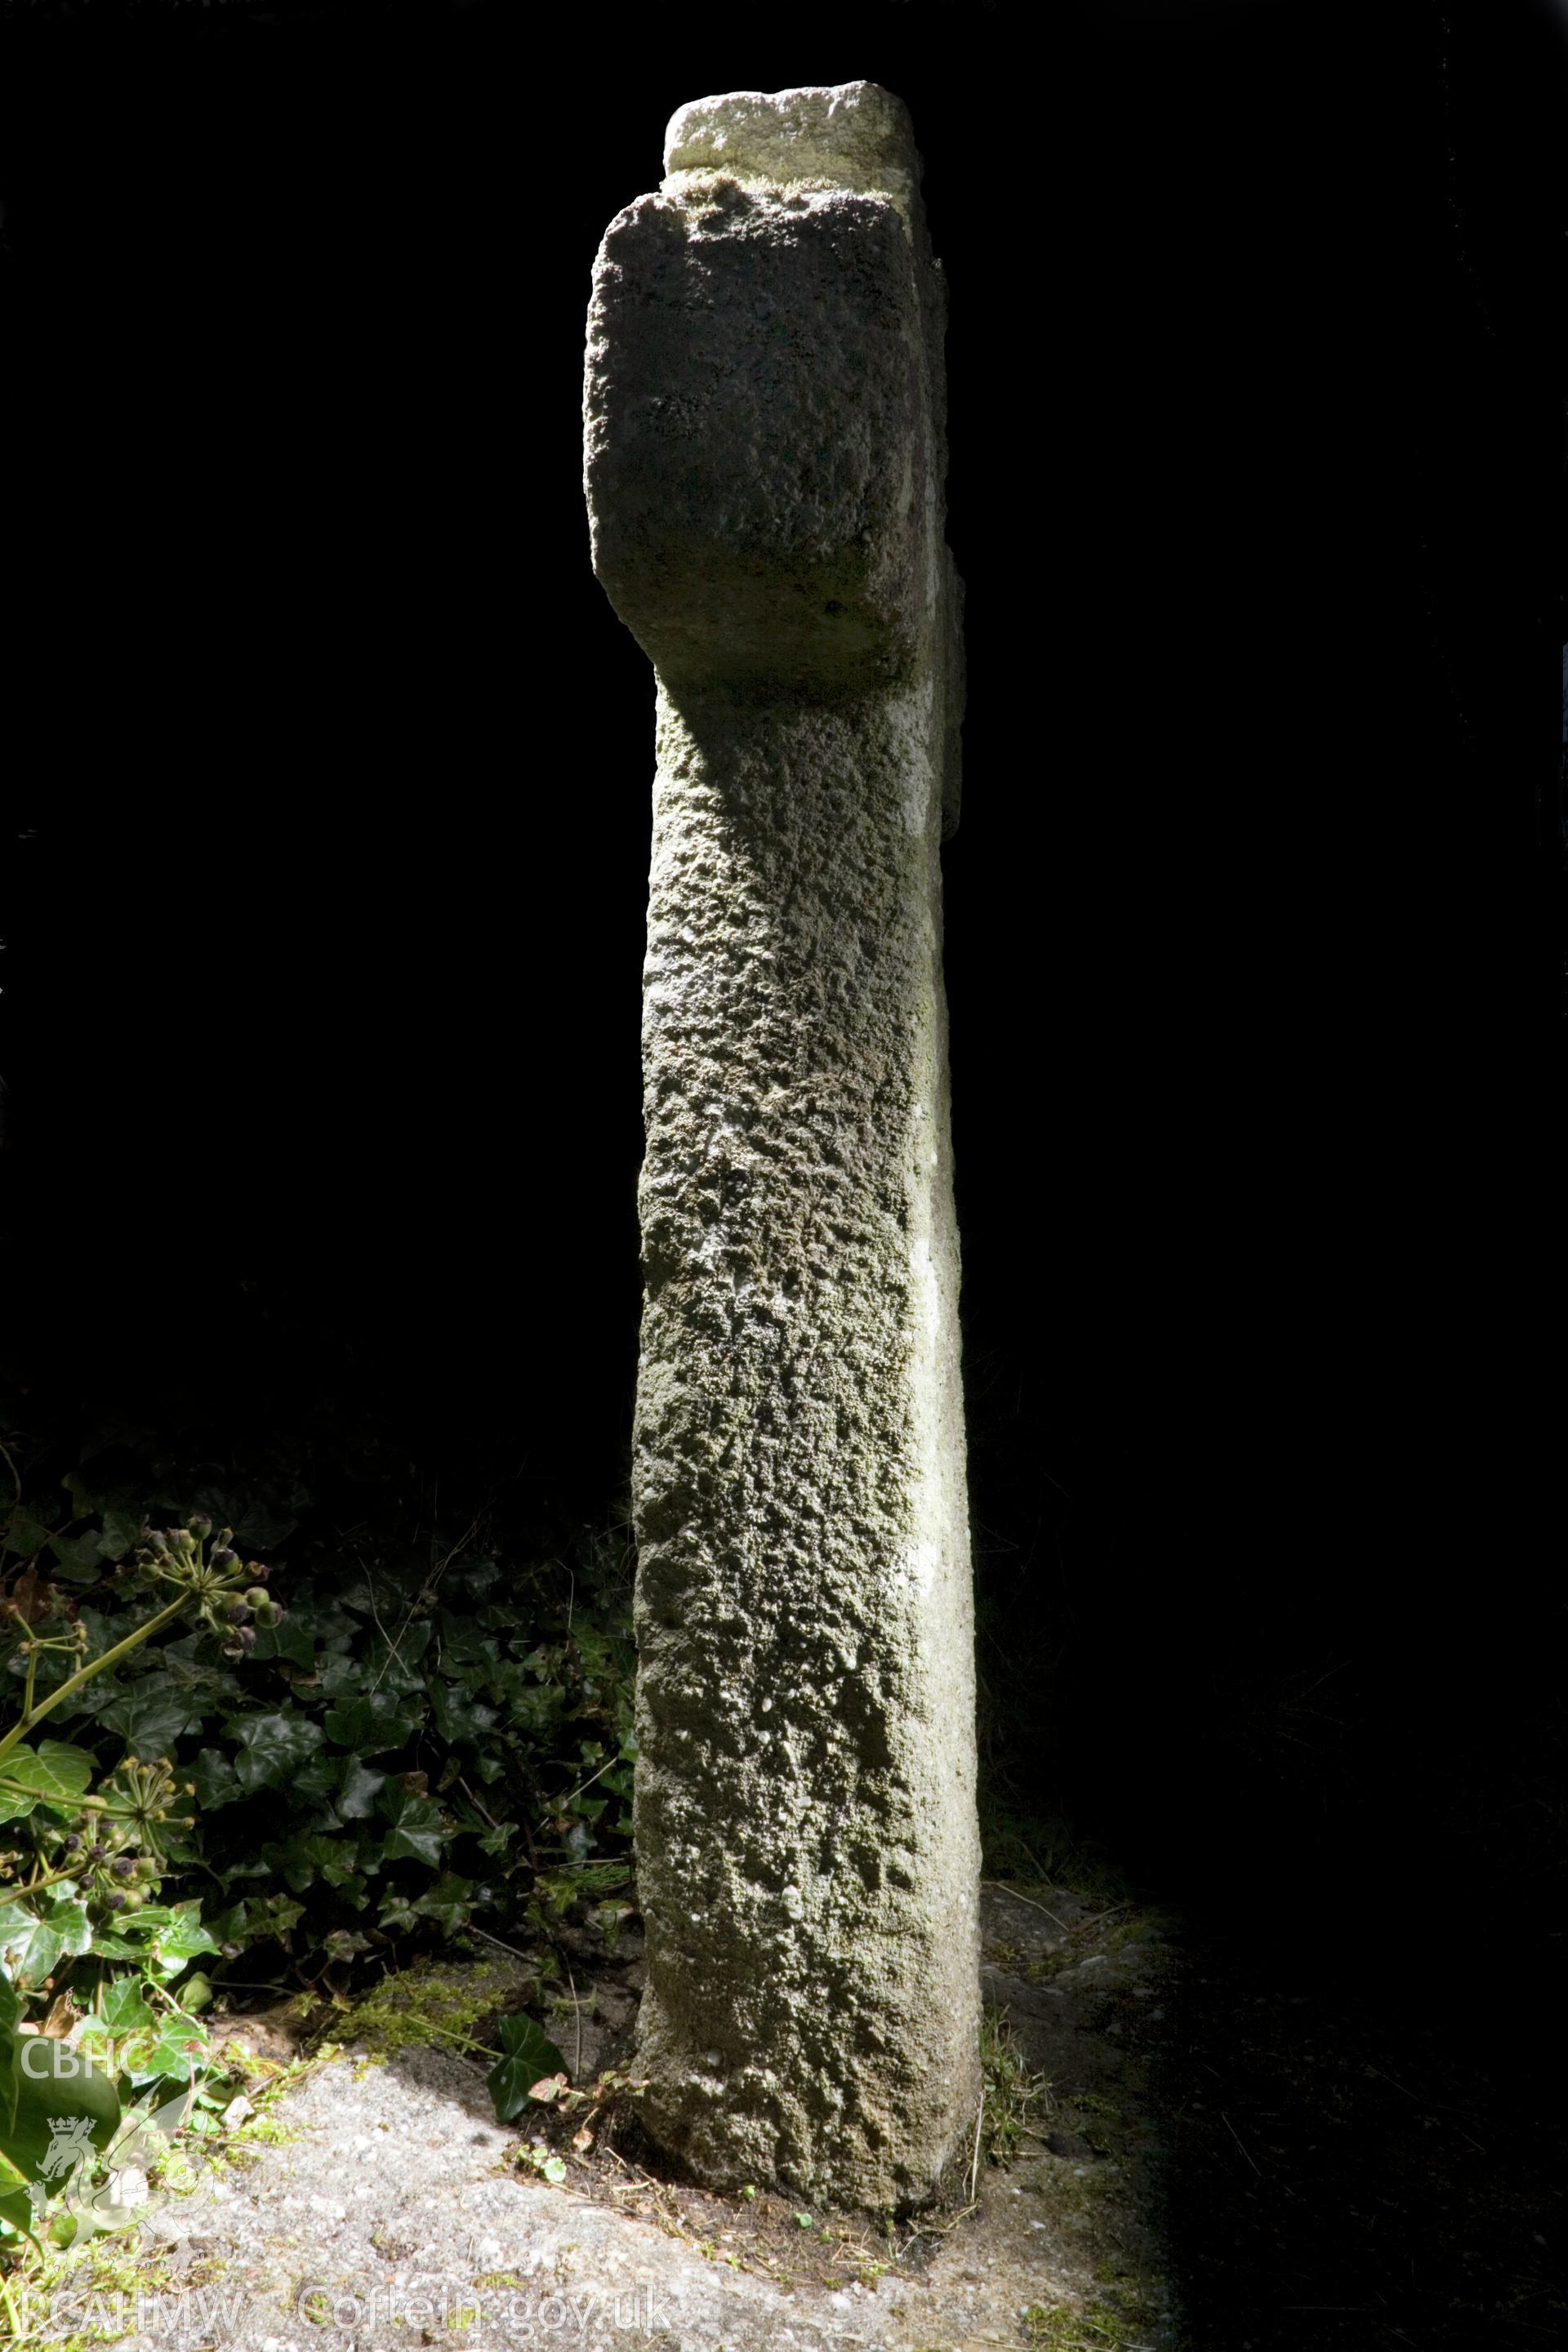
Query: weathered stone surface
{"type": "Point", "coordinates": [765, 455]}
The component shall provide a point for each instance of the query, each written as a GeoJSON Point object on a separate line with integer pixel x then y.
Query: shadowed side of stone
{"type": "Point", "coordinates": [765, 455]}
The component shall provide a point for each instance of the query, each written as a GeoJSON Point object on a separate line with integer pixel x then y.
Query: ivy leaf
{"type": "Point", "coordinates": [338, 1675]}
{"type": "Point", "coordinates": [149, 1921]}
{"type": "Point", "coordinates": [529, 2054]}
{"type": "Point", "coordinates": [447, 1902]}
{"type": "Point", "coordinates": [153, 1714]}
{"type": "Point", "coordinates": [257, 1918]}
{"type": "Point", "coordinates": [121, 1530]}
{"type": "Point", "coordinates": [479, 1577]}
{"type": "Point", "coordinates": [293, 1640]}
{"type": "Point", "coordinates": [338, 1859]}
{"type": "Point", "coordinates": [369, 1725]}
{"type": "Point", "coordinates": [366, 1601]}
{"type": "Point", "coordinates": [535, 1707]}
{"type": "Point", "coordinates": [272, 1748]}
{"type": "Point", "coordinates": [360, 1789]}
{"type": "Point", "coordinates": [294, 1863]}
{"type": "Point", "coordinates": [459, 1719]}
{"type": "Point", "coordinates": [462, 1643]}
{"type": "Point", "coordinates": [77, 1558]}
{"type": "Point", "coordinates": [216, 1781]}
{"type": "Point", "coordinates": [52, 1772]}
{"type": "Point", "coordinates": [264, 1529]}
{"type": "Point", "coordinates": [558, 1890]}
{"type": "Point", "coordinates": [181, 1939]}
{"type": "Point", "coordinates": [415, 1835]}
{"type": "Point", "coordinates": [66, 1916]}
{"type": "Point", "coordinates": [124, 2010]}
{"type": "Point", "coordinates": [309, 1855]}
{"type": "Point", "coordinates": [314, 1783]}
{"type": "Point", "coordinates": [16, 1926]}
{"type": "Point", "coordinates": [611, 1917]}
{"type": "Point", "coordinates": [179, 2049]}
{"type": "Point", "coordinates": [25, 1535]}
{"type": "Point", "coordinates": [35, 1955]}
{"type": "Point", "coordinates": [32, 1942]}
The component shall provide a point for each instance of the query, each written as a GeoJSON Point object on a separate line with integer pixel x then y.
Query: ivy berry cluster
{"type": "Point", "coordinates": [115, 1848]}
{"type": "Point", "coordinates": [211, 1573]}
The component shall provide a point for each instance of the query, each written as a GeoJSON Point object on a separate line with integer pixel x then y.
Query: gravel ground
{"type": "Point", "coordinates": [397, 2214]}
{"type": "Point", "coordinates": [1240, 2150]}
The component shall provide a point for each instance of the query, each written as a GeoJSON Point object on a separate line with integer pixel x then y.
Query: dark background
{"type": "Point", "coordinates": [330, 768]}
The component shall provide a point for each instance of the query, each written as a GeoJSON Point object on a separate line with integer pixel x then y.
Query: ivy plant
{"type": "Point", "coordinates": [403, 1752]}
{"type": "Point", "coordinates": [83, 1854]}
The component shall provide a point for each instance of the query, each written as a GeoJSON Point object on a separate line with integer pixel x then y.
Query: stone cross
{"type": "Point", "coordinates": [764, 421]}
